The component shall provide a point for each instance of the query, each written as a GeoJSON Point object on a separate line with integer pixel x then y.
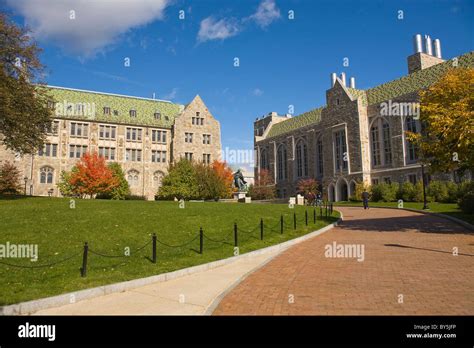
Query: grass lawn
{"type": "Point", "coordinates": [442, 208]}
{"type": "Point", "coordinates": [111, 226]}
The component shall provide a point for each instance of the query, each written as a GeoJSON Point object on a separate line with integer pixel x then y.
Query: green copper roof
{"type": "Point", "coordinates": [415, 81]}
{"type": "Point", "coordinates": [358, 93]}
{"type": "Point", "coordinates": [96, 101]}
{"type": "Point", "coordinates": [306, 119]}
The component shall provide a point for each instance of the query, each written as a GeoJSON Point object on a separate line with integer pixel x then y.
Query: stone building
{"type": "Point", "coordinates": [143, 135]}
{"type": "Point", "coordinates": [358, 136]}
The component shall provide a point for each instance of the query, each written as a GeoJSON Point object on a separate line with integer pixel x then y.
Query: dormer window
{"type": "Point", "coordinates": [106, 110]}
{"type": "Point", "coordinates": [157, 116]}
{"type": "Point", "coordinates": [167, 118]}
{"type": "Point", "coordinates": [133, 113]}
{"type": "Point", "coordinates": [116, 112]}
{"type": "Point", "coordinates": [51, 104]}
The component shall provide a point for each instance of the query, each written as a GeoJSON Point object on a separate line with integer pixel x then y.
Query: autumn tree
{"type": "Point", "coordinates": [308, 188]}
{"type": "Point", "coordinates": [446, 142]}
{"type": "Point", "coordinates": [9, 179]}
{"type": "Point", "coordinates": [225, 177]}
{"type": "Point", "coordinates": [24, 113]}
{"type": "Point", "coordinates": [92, 176]}
{"type": "Point", "coordinates": [264, 187]}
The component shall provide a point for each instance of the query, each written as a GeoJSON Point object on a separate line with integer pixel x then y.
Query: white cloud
{"type": "Point", "coordinates": [267, 12]}
{"type": "Point", "coordinates": [257, 92]}
{"type": "Point", "coordinates": [171, 95]}
{"type": "Point", "coordinates": [212, 29]}
{"type": "Point", "coordinates": [97, 24]}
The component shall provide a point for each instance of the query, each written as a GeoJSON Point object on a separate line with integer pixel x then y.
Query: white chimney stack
{"type": "Point", "coordinates": [437, 48]}
{"type": "Point", "coordinates": [333, 79]}
{"type": "Point", "coordinates": [353, 82]}
{"type": "Point", "coordinates": [343, 79]}
{"type": "Point", "coordinates": [428, 47]}
{"type": "Point", "coordinates": [417, 46]}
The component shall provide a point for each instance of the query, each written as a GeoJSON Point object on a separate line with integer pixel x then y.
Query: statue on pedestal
{"type": "Point", "coordinates": [239, 181]}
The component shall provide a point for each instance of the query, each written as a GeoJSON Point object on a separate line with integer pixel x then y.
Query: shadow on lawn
{"type": "Point", "coordinates": [419, 223]}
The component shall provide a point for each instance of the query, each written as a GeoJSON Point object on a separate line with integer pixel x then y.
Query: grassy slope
{"type": "Point", "coordinates": [442, 208]}
{"type": "Point", "coordinates": [110, 226]}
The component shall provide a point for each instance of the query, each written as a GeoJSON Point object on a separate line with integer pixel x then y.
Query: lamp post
{"type": "Point", "coordinates": [25, 179]}
{"type": "Point", "coordinates": [425, 205]}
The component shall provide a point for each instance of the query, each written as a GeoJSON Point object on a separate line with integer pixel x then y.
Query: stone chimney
{"type": "Point", "coordinates": [420, 60]}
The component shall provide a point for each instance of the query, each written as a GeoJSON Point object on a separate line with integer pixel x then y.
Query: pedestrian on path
{"type": "Point", "coordinates": [365, 199]}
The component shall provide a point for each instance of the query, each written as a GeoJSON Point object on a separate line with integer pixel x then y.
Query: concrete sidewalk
{"type": "Point", "coordinates": [193, 294]}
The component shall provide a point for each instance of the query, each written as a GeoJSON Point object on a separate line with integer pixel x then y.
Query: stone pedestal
{"type": "Point", "coordinates": [240, 196]}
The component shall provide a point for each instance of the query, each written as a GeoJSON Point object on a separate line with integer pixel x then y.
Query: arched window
{"type": "Point", "coordinates": [340, 150]}
{"type": "Point", "coordinates": [319, 157]}
{"type": "Point", "coordinates": [412, 151]}
{"type": "Point", "coordinates": [301, 159]}
{"type": "Point", "coordinates": [380, 143]}
{"type": "Point", "coordinates": [263, 159]}
{"type": "Point", "coordinates": [282, 163]}
{"type": "Point", "coordinates": [132, 177]}
{"type": "Point", "coordinates": [46, 175]}
{"type": "Point", "coordinates": [157, 178]}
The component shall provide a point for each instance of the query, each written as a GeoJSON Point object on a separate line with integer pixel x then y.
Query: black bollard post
{"type": "Point", "coordinates": [294, 221]}
{"type": "Point", "coordinates": [314, 215]}
{"type": "Point", "coordinates": [201, 240]}
{"type": "Point", "coordinates": [281, 224]}
{"type": "Point", "coordinates": [236, 240]}
{"type": "Point", "coordinates": [154, 248]}
{"type": "Point", "coordinates": [84, 260]}
{"type": "Point", "coordinates": [306, 217]}
{"type": "Point", "coordinates": [261, 229]}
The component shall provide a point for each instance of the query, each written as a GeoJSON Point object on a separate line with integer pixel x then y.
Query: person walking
{"type": "Point", "coordinates": [365, 199]}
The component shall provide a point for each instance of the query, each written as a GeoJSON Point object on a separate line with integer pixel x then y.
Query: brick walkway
{"type": "Point", "coordinates": [407, 255]}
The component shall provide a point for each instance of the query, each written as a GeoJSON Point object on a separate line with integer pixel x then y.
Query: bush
{"type": "Point", "coordinates": [180, 182]}
{"type": "Point", "coordinates": [9, 179]}
{"type": "Point", "coordinates": [359, 188]}
{"type": "Point", "coordinates": [466, 201]}
{"type": "Point", "coordinates": [135, 198]}
{"type": "Point", "coordinates": [264, 187]}
{"type": "Point", "coordinates": [438, 191]}
{"type": "Point", "coordinates": [453, 192]}
{"type": "Point", "coordinates": [407, 192]}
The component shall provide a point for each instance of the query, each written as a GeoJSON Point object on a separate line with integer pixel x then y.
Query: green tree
{"type": "Point", "coordinates": [64, 184]}
{"type": "Point", "coordinates": [24, 113]}
{"type": "Point", "coordinates": [122, 190]}
{"type": "Point", "coordinates": [180, 182]}
{"type": "Point", "coordinates": [9, 179]}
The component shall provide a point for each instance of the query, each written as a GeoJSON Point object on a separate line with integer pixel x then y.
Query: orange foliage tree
{"type": "Point", "coordinates": [224, 173]}
{"type": "Point", "coordinates": [264, 187]}
{"type": "Point", "coordinates": [92, 176]}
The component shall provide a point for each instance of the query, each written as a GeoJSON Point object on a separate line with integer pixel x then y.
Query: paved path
{"type": "Point", "coordinates": [408, 259]}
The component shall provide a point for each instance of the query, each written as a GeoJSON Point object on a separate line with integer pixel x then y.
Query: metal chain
{"type": "Point", "coordinates": [41, 266]}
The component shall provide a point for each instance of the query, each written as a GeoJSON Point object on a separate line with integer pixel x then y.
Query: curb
{"type": "Point", "coordinates": [29, 307]}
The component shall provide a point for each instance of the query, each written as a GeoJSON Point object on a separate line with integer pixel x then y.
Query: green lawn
{"type": "Point", "coordinates": [442, 208]}
{"type": "Point", "coordinates": [111, 226]}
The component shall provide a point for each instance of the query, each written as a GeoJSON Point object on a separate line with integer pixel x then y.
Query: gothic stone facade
{"type": "Point", "coordinates": [351, 139]}
{"type": "Point", "coordinates": [143, 135]}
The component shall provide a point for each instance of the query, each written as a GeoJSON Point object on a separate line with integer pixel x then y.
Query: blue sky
{"type": "Point", "coordinates": [282, 61]}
